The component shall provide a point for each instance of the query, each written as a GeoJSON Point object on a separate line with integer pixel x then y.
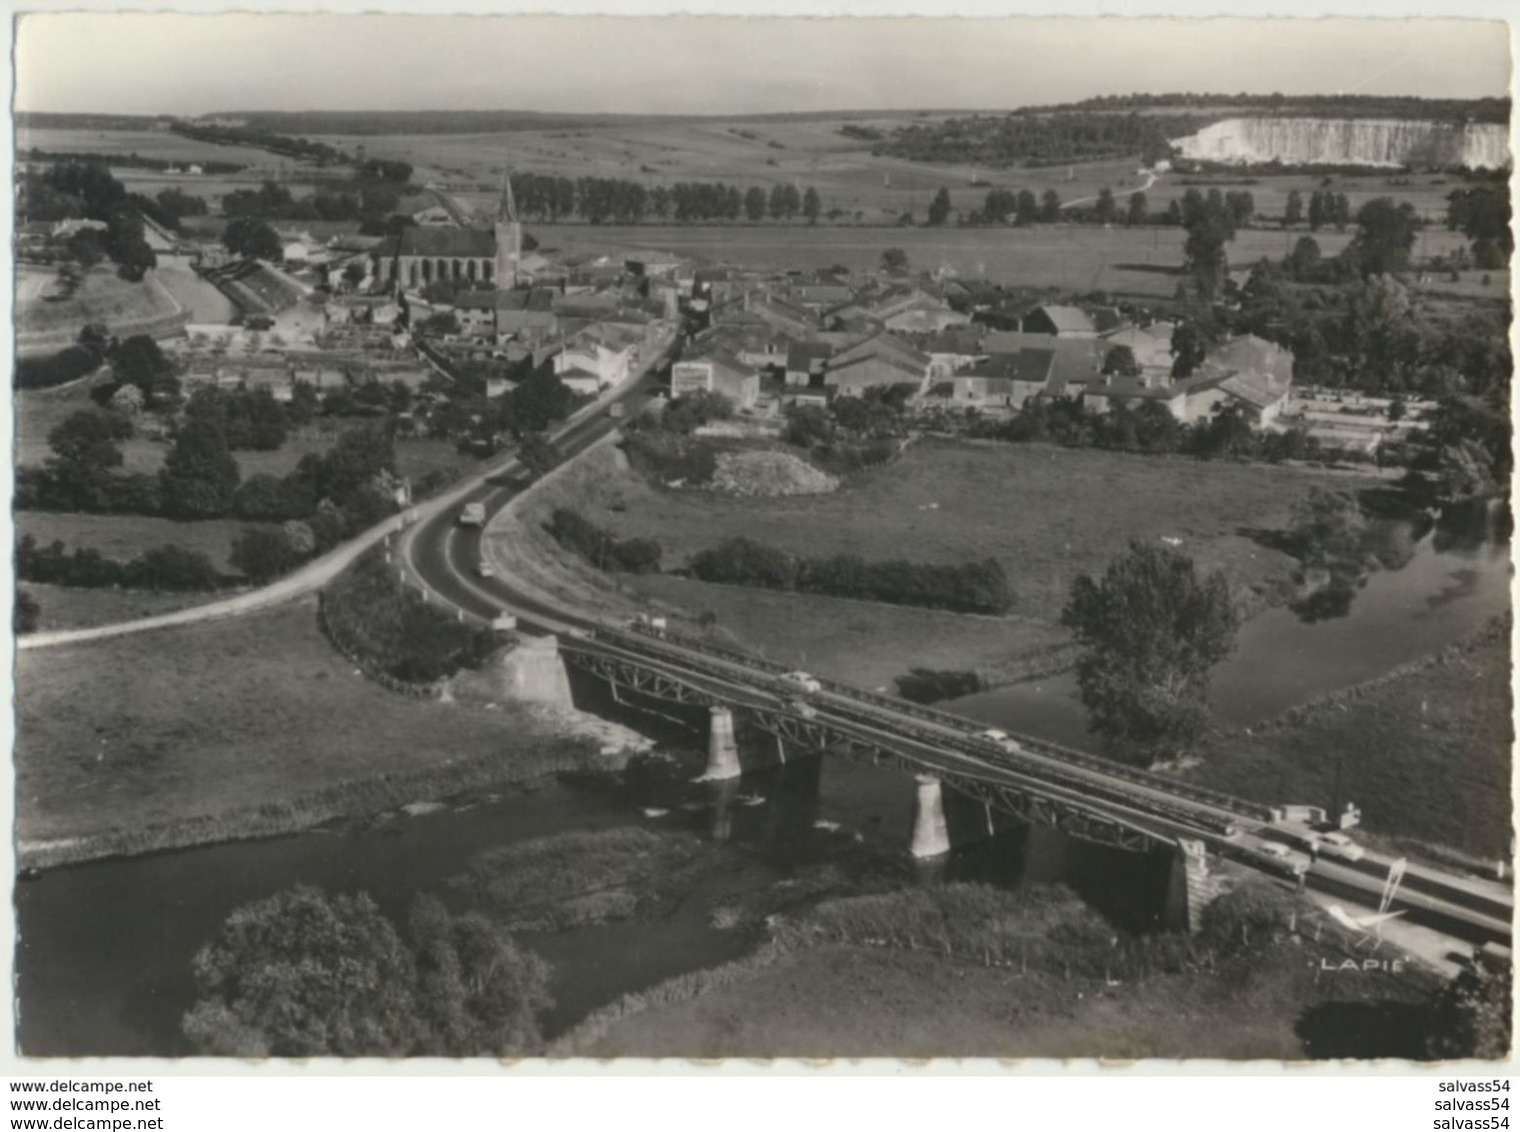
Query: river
{"type": "Point", "coordinates": [104, 951]}
{"type": "Point", "coordinates": [1455, 578]}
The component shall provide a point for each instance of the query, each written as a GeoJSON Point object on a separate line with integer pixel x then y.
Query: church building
{"type": "Point", "coordinates": [420, 255]}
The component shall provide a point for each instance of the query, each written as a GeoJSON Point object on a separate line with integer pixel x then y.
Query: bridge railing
{"type": "Point", "coordinates": [967, 729]}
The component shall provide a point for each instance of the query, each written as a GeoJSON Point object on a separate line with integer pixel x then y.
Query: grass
{"type": "Point", "coordinates": [71, 607]}
{"type": "Point", "coordinates": [1135, 261]}
{"type": "Point", "coordinates": [219, 729]}
{"type": "Point", "coordinates": [848, 177]}
{"type": "Point", "coordinates": [845, 981]}
{"type": "Point", "coordinates": [103, 297]}
{"type": "Point", "coordinates": [860, 643]}
{"type": "Point", "coordinates": [1047, 513]}
{"type": "Point", "coordinates": [126, 536]}
{"type": "Point", "coordinates": [1424, 752]}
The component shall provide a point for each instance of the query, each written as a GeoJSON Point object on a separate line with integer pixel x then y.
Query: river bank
{"type": "Point", "coordinates": [252, 728]}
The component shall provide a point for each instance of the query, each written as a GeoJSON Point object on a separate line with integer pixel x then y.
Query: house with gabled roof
{"type": "Point", "coordinates": [1060, 320]}
{"type": "Point", "coordinates": [713, 369]}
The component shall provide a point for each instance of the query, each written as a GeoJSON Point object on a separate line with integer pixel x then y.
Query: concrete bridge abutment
{"type": "Point", "coordinates": [1192, 886]}
{"type": "Point", "coordinates": [533, 670]}
{"type": "Point", "coordinates": [722, 746]}
{"type": "Point", "coordinates": [931, 833]}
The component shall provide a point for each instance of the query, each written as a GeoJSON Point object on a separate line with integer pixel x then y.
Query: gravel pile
{"type": "Point", "coordinates": [769, 474]}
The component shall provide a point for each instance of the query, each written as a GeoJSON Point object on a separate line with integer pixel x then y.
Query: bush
{"type": "Point", "coordinates": [67, 365]}
{"type": "Point", "coordinates": [170, 569]}
{"type": "Point", "coordinates": [262, 554]}
{"type": "Point", "coordinates": [576, 533]}
{"type": "Point", "coordinates": [382, 624]}
{"type": "Point", "coordinates": [928, 685]}
{"type": "Point", "coordinates": [973, 587]}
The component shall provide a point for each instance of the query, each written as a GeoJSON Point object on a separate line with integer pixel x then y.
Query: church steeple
{"type": "Point", "coordinates": [508, 237]}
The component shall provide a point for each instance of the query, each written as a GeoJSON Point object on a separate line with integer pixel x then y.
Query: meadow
{"type": "Point", "coordinates": [1143, 261]}
{"type": "Point", "coordinates": [125, 308]}
{"type": "Point", "coordinates": [105, 743]}
{"type": "Point", "coordinates": [847, 175]}
{"type": "Point", "coordinates": [1424, 750]}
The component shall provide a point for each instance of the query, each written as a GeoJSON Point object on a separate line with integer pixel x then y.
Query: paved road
{"type": "Point", "coordinates": [582, 430]}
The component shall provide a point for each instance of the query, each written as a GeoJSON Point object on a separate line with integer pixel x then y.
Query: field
{"type": "Point", "coordinates": [125, 308]}
{"type": "Point", "coordinates": [1131, 261]}
{"type": "Point", "coordinates": [144, 143]}
{"type": "Point", "coordinates": [1046, 513]}
{"type": "Point", "coordinates": [856, 642]}
{"type": "Point", "coordinates": [1425, 751]}
{"type": "Point", "coordinates": [71, 607]}
{"type": "Point", "coordinates": [841, 1001]}
{"type": "Point", "coordinates": [812, 152]}
{"type": "Point", "coordinates": [167, 726]}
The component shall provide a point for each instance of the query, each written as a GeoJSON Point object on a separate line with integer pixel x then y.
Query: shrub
{"type": "Point", "coordinates": [928, 685]}
{"type": "Point", "coordinates": [576, 533]}
{"type": "Point", "coordinates": [67, 365]}
{"type": "Point", "coordinates": [380, 622]}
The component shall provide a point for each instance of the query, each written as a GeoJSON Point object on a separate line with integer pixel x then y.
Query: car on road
{"type": "Point", "coordinates": [1292, 860]}
{"type": "Point", "coordinates": [1000, 739]}
{"type": "Point", "coordinates": [483, 568]}
{"type": "Point", "coordinates": [801, 681]}
{"type": "Point", "coordinates": [617, 410]}
{"type": "Point", "coordinates": [473, 515]}
{"type": "Point", "coordinates": [1340, 846]}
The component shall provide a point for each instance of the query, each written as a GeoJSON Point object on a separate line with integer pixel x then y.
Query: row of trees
{"type": "Point", "coordinates": [164, 568]}
{"type": "Point", "coordinates": [973, 587]}
{"type": "Point", "coordinates": [369, 201]}
{"type": "Point", "coordinates": [302, 148]}
{"type": "Point", "coordinates": [597, 200]}
{"type": "Point", "coordinates": [1030, 140]}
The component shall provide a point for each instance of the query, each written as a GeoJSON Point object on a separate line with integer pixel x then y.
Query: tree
{"type": "Point", "coordinates": [84, 454]}
{"type": "Point", "coordinates": [354, 272]}
{"type": "Point", "coordinates": [777, 202]}
{"type": "Point", "coordinates": [1121, 360]}
{"type": "Point", "coordinates": [199, 479]}
{"type": "Point", "coordinates": [1319, 214]}
{"type": "Point", "coordinates": [939, 208]}
{"type": "Point", "coordinates": [1293, 211]}
{"type": "Point", "coordinates": [1190, 345]}
{"type": "Point", "coordinates": [537, 454]}
{"type": "Point", "coordinates": [754, 204]}
{"type": "Point", "coordinates": [1105, 210]}
{"type": "Point", "coordinates": [1304, 259]}
{"type": "Point", "coordinates": [811, 205]}
{"type": "Point", "coordinates": [25, 614]}
{"type": "Point", "coordinates": [479, 993]}
{"type": "Point", "coordinates": [1050, 207]}
{"type": "Point", "coordinates": [85, 248]}
{"type": "Point", "coordinates": [261, 553]}
{"type": "Point", "coordinates": [1384, 236]}
{"type": "Point", "coordinates": [1150, 630]}
{"type": "Point", "coordinates": [894, 260]}
{"type": "Point", "coordinates": [1136, 213]}
{"type": "Point", "coordinates": [1026, 208]}
{"type": "Point", "coordinates": [1472, 1014]}
{"type": "Point", "coordinates": [304, 974]}
{"type": "Point", "coordinates": [250, 236]}
{"type": "Point", "coordinates": [139, 361]}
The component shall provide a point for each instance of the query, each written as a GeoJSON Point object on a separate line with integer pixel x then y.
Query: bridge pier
{"type": "Point", "coordinates": [931, 835]}
{"type": "Point", "coordinates": [722, 794]}
{"type": "Point", "coordinates": [534, 671]}
{"type": "Point", "coordinates": [1191, 888]}
{"type": "Point", "coordinates": [722, 747]}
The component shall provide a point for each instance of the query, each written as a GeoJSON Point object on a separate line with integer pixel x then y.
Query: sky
{"type": "Point", "coordinates": [187, 64]}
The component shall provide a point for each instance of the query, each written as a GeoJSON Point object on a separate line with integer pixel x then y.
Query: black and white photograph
{"type": "Point", "coordinates": [691, 537]}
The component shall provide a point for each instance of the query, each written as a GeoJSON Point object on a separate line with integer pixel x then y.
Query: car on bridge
{"type": "Point", "coordinates": [1340, 846]}
{"type": "Point", "coordinates": [1001, 740]}
{"type": "Point", "coordinates": [1278, 853]}
{"type": "Point", "coordinates": [801, 682]}
{"type": "Point", "coordinates": [802, 708]}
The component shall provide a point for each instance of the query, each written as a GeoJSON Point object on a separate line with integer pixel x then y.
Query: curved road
{"type": "Point", "coordinates": [446, 557]}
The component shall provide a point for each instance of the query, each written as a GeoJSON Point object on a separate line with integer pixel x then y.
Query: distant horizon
{"type": "Point", "coordinates": [201, 65]}
{"type": "Point", "coordinates": [824, 112]}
